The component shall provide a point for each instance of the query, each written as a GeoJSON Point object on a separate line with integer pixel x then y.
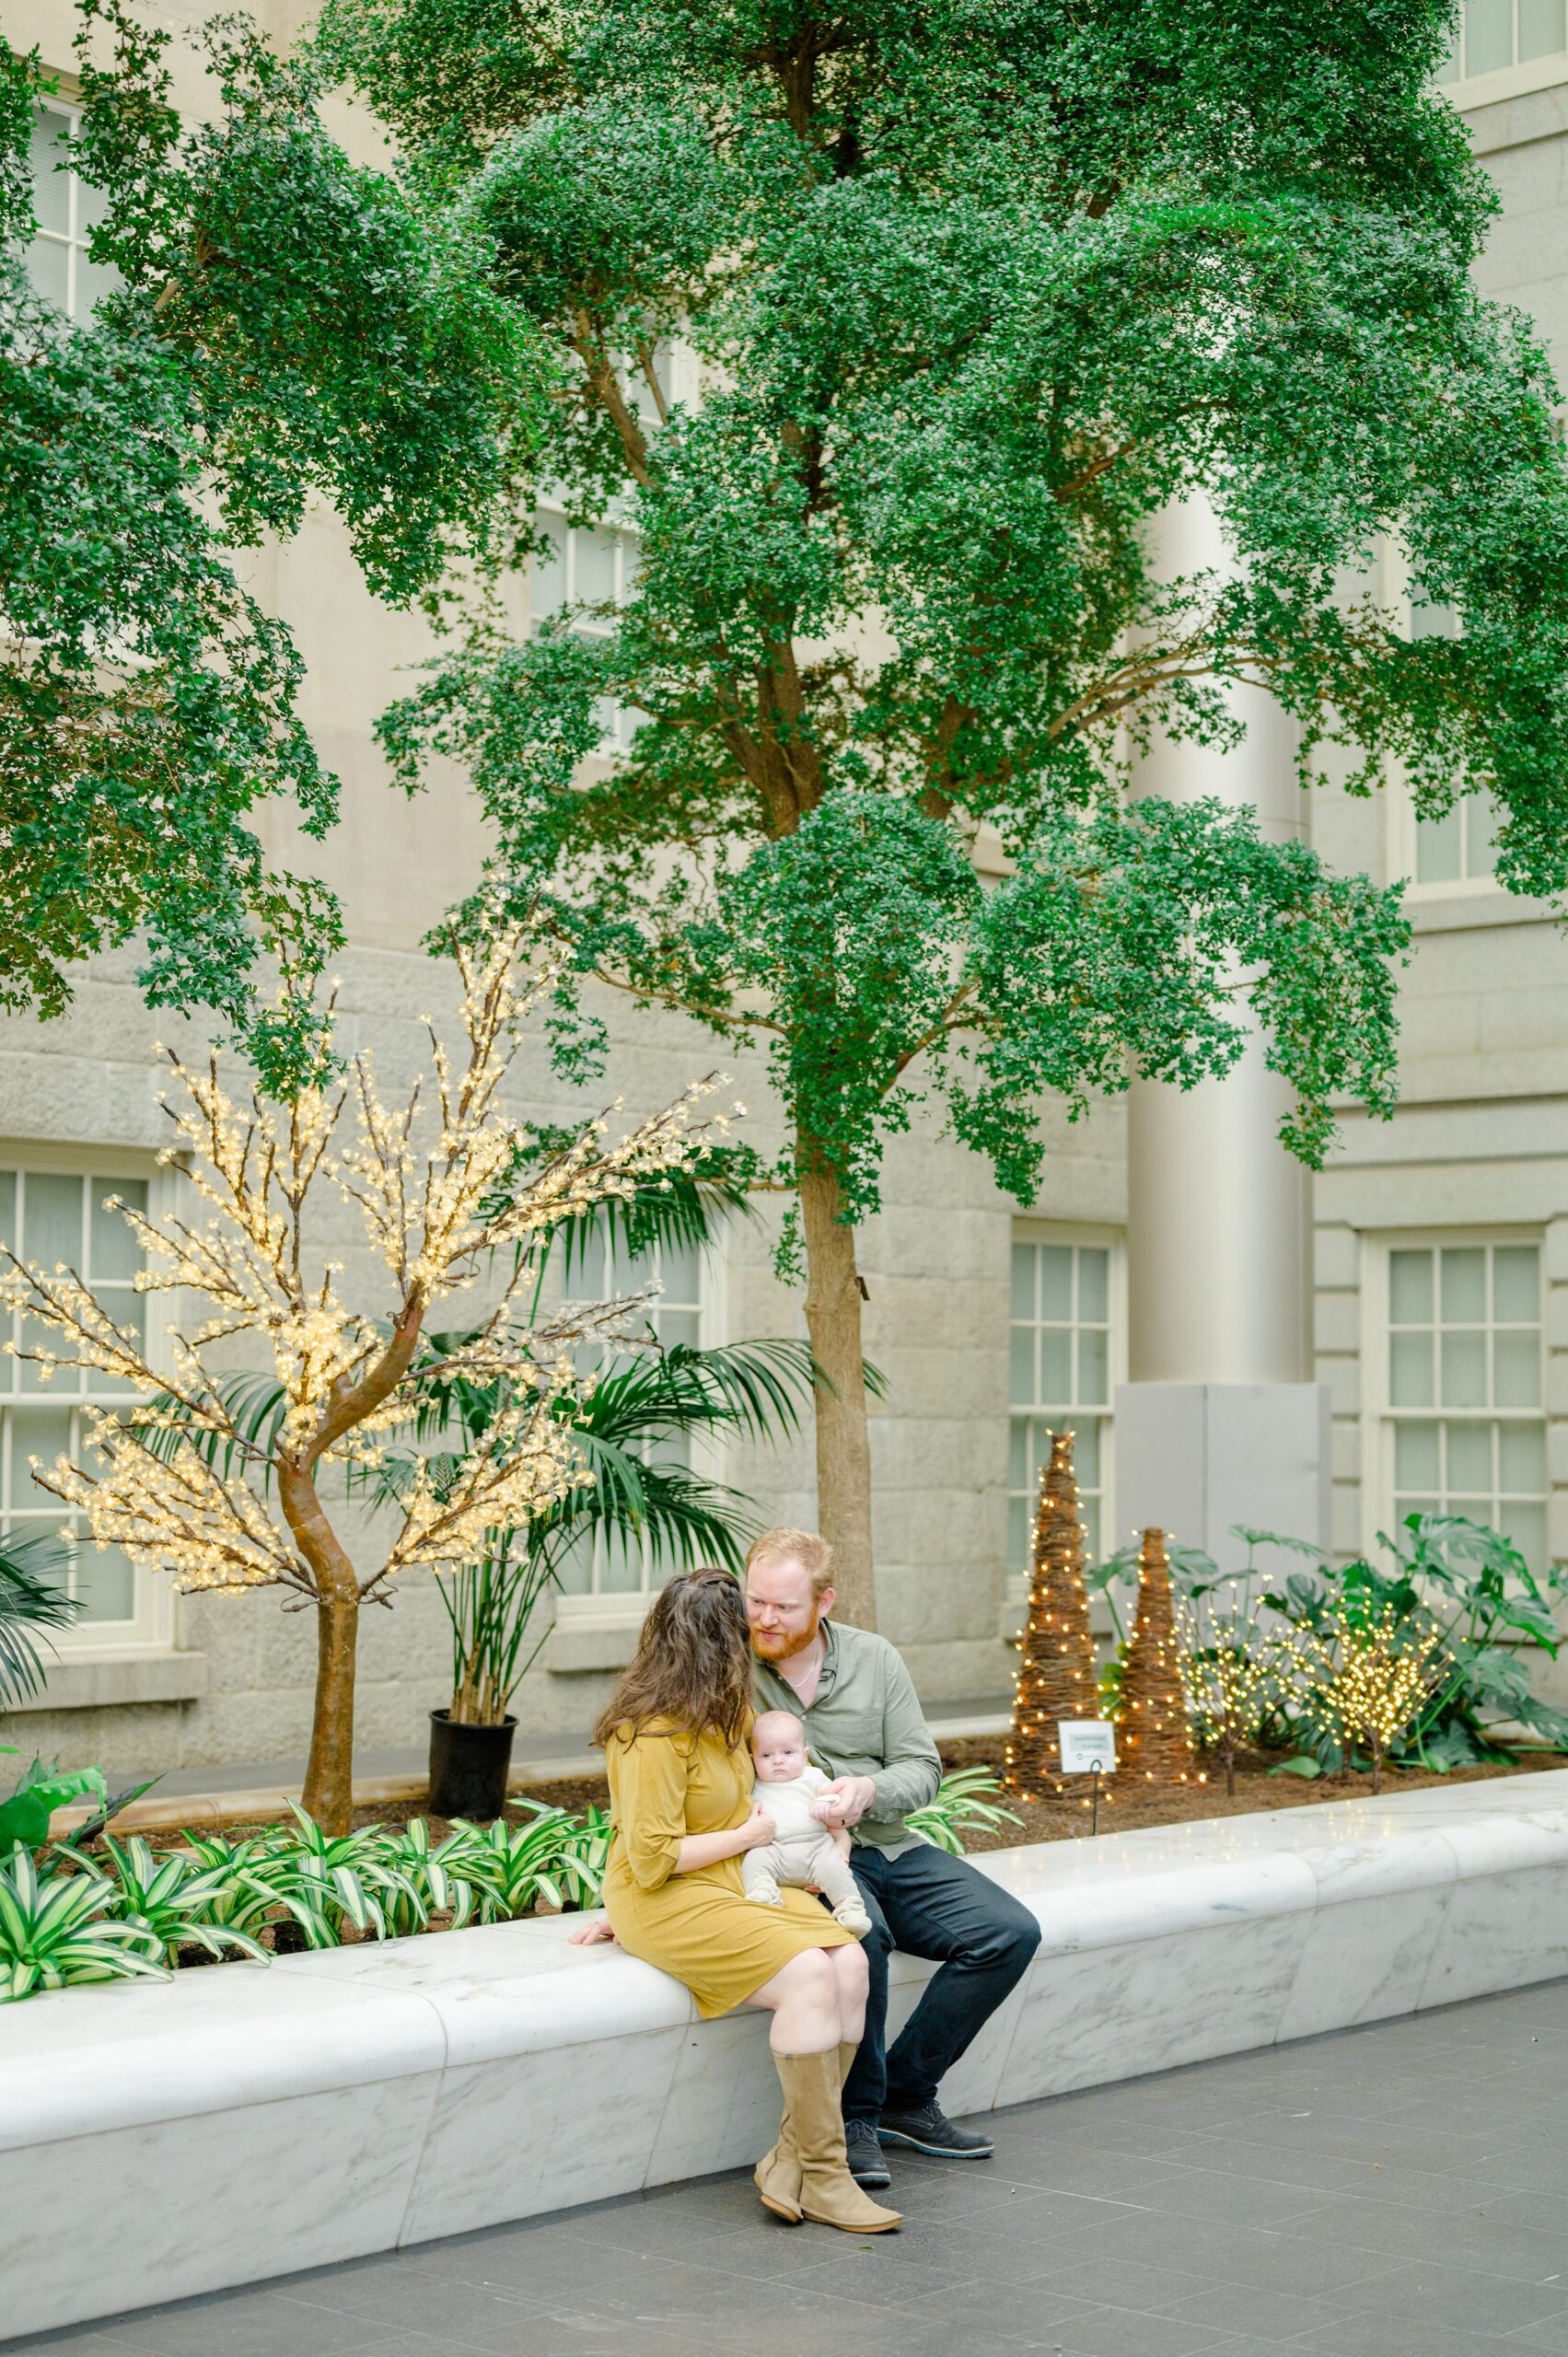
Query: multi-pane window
{"type": "Point", "coordinates": [54, 1218]}
{"type": "Point", "coordinates": [614, 1565]}
{"type": "Point", "coordinates": [1061, 1375]}
{"type": "Point", "coordinates": [1468, 1434]}
{"type": "Point", "coordinates": [1492, 35]}
{"type": "Point", "coordinates": [67, 210]}
{"type": "Point", "coordinates": [593, 566]}
{"type": "Point", "coordinates": [1458, 848]}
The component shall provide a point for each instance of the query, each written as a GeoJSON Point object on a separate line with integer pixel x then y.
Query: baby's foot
{"type": "Point", "coordinates": [774, 1898]}
{"type": "Point", "coordinates": [854, 1918]}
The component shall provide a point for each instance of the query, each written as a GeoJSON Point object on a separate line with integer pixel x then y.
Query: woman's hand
{"type": "Point", "coordinates": [590, 1931]}
{"type": "Point", "coordinates": [758, 1828]}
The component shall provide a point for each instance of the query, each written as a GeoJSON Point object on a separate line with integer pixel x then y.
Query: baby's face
{"type": "Point", "coordinates": [780, 1754]}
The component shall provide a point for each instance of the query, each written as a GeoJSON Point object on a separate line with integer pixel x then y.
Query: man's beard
{"type": "Point", "coordinates": [779, 1645]}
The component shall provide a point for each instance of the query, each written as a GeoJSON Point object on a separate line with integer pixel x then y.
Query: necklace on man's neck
{"type": "Point", "coordinates": [813, 1661]}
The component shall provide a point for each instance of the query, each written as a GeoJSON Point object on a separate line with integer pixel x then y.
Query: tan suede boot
{"type": "Point", "coordinates": [828, 2195]}
{"type": "Point", "coordinates": [777, 2174]}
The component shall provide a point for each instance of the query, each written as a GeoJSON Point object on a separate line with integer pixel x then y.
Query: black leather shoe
{"type": "Point", "coordinates": [864, 2154]}
{"type": "Point", "coordinates": [928, 2130]}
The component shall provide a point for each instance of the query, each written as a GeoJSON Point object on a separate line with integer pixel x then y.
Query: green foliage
{"type": "Point", "coordinates": [55, 1929]}
{"type": "Point", "coordinates": [1470, 1584]}
{"type": "Point", "coordinates": [961, 1805]}
{"type": "Point", "coordinates": [335, 340]}
{"type": "Point", "coordinates": [953, 278]}
{"type": "Point", "coordinates": [33, 1600]}
{"type": "Point", "coordinates": [554, 1858]}
{"type": "Point", "coordinates": [288, 326]}
{"type": "Point", "coordinates": [64, 1919]}
{"type": "Point", "coordinates": [171, 1896]}
{"type": "Point", "coordinates": [38, 1792]}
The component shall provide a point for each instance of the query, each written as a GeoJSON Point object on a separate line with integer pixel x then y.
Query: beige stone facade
{"type": "Point", "coordinates": [976, 1315]}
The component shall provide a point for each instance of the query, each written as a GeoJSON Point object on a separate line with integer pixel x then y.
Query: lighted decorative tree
{"type": "Point", "coordinates": [190, 1483]}
{"type": "Point", "coordinates": [1232, 1673]}
{"type": "Point", "coordinates": [1374, 1675]}
{"type": "Point", "coordinates": [1056, 1670]}
{"type": "Point", "coordinates": [1153, 1739]}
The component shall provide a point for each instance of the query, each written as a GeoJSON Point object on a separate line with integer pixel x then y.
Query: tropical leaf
{"type": "Point", "coordinates": [34, 1576]}
{"type": "Point", "coordinates": [24, 1818]}
{"type": "Point", "coordinates": [961, 1805]}
{"type": "Point", "coordinates": [55, 1930]}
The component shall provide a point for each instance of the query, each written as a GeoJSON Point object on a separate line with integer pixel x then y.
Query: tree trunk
{"type": "Point", "coordinates": [329, 1774]}
{"type": "Point", "coordinates": [843, 1442]}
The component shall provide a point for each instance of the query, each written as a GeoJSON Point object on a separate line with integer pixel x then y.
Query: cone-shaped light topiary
{"type": "Point", "coordinates": [1056, 1670]}
{"type": "Point", "coordinates": [1153, 1738]}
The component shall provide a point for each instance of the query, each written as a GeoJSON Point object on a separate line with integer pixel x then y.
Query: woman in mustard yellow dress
{"type": "Point", "coordinates": [679, 1770]}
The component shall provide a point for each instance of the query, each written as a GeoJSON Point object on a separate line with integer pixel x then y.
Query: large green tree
{"type": "Point", "coordinates": [978, 287]}
{"type": "Point", "coordinates": [287, 326]}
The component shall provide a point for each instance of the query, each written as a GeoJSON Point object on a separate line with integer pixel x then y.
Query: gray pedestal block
{"type": "Point", "coordinates": [1195, 1458]}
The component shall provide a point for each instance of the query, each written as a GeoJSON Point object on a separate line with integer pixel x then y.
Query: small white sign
{"type": "Point", "coordinates": [1086, 1744]}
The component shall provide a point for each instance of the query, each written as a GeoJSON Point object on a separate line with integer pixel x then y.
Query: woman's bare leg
{"type": "Point", "coordinates": [803, 1997]}
{"type": "Point", "coordinates": [851, 1978]}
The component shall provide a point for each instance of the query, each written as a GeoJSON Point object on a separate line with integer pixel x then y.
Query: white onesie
{"type": "Point", "coordinates": [802, 1851]}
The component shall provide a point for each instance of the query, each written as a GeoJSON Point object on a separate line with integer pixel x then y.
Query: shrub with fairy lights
{"type": "Point", "coordinates": [1370, 1677]}
{"type": "Point", "coordinates": [1235, 1671]}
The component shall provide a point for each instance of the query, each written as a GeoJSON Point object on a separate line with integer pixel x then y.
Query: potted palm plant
{"type": "Point", "coordinates": [634, 1431]}
{"type": "Point", "coordinates": [630, 1431]}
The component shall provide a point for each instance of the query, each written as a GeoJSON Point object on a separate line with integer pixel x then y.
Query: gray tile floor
{"type": "Point", "coordinates": [1395, 2191]}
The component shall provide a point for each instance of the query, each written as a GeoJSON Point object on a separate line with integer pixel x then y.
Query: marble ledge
{"type": "Point", "coordinates": [498, 2073]}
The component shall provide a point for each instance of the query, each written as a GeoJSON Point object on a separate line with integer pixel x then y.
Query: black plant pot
{"type": "Point", "coordinates": [469, 1767]}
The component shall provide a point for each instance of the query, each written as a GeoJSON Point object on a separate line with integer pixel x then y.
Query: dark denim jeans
{"type": "Point", "coordinates": [931, 1905]}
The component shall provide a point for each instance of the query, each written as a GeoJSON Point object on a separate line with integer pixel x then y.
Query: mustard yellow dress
{"type": "Point", "coordinates": [665, 1783]}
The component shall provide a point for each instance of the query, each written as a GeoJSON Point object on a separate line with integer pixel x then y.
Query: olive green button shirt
{"type": "Point", "coordinates": [866, 1721]}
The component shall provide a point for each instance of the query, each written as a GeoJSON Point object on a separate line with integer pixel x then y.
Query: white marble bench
{"type": "Point", "coordinates": [239, 2122]}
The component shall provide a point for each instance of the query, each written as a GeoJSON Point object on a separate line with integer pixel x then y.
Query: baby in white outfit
{"type": "Point", "coordinates": [802, 1850]}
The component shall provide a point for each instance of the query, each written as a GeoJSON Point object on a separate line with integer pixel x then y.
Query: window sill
{"type": "Point", "coordinates": [106, 1681]}
{"type": "Point", "coordinates": [1471, 908]}
{"type": "Point", "coordinates": [578, 1647]}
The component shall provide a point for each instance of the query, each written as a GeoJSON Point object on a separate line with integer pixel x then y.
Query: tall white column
{"type": "Point", "coordinates": [1220, 1422]}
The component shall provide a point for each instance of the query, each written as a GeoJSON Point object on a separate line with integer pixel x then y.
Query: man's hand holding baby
{"type": "Point", "coordinates": [845, 1801]}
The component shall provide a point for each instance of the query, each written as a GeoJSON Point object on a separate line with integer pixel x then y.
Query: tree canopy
{"type": "Point", "coordinates": [287, 326]}
{"type": "Point", "coordinates": [975, 291]}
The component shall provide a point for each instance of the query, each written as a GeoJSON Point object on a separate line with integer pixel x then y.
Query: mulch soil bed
{"type": "Point", "coordinates": [1122, 1805]}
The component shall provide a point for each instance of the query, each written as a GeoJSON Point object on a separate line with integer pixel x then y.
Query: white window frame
{"type": "Point", "coordinates": [617, 739]}
{"type": "Point", "coordinates": [74, 237]}
{"type": "Point", "coordinates": [628, 1608]}
{"type": "Point", "coordinates": [151, 1628]}
{"type": "Point", "coordinates": [1514, 81]}
{"type": "Point", "coordinates": [1379, 1417]}
{"type": "Point", "coordinates": [1026, 1228]}
{"type": "Point", "coordinates": [1403, 824]}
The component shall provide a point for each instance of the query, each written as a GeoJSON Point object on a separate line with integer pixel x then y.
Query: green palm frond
{"type": "Point", "coordinates": [34, 1575]}
{"type": "Point", "coordinates": [675, 1211]}
{"type": "Point", "coordinates": [254, 1405]}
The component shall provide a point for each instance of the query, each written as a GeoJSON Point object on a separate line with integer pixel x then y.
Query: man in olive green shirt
{"type": "Point", "coordinates": [864, 1726]}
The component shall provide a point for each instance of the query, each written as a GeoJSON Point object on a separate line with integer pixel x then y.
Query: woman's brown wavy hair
{"type": "Point", "coordinates": [692, 1664]}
